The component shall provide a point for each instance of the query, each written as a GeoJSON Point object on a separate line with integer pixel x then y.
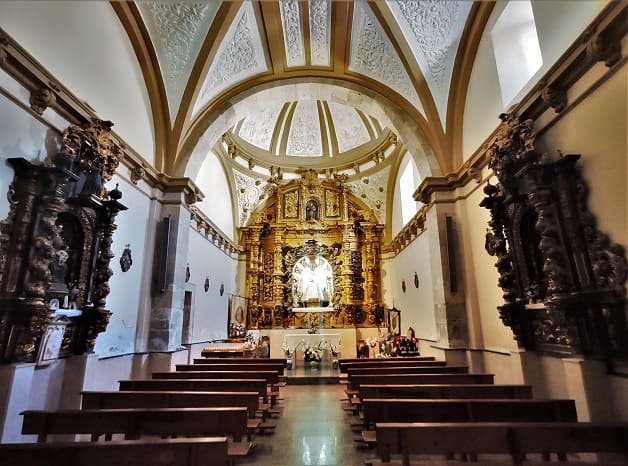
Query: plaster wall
{"type": "Point", "coordinates": [597, 130]}
{"type": "Point", "coordinates": [210, 309]}
{"type": "Point", "coordinates": [218, 203]}
{"type": "Point", "coordinates": [558, 23]}
{"type": "Point", "coordinates": [20, 136]}
{"type": "Point", "coordinates": [135, 228]}
{"type": "Point", "coordinates": [416, 304]}
{"type": "Point", "coordinates": [86, 48]}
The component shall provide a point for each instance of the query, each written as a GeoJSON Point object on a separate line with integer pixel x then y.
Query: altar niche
{"type": "Point", "coordinates": [312, 282]}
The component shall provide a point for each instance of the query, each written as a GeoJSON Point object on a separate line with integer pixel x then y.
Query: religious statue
{"type": "Point", "coordinates": [311, 210]}
{"type": "Point", "coordinates": [59, 266]}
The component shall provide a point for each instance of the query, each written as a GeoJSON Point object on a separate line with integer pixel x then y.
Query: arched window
{"type": "Point", "coordinates": [517, 50]}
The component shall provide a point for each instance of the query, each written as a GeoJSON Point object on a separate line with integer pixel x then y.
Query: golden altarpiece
{"type": "Point", "coordinates": [313, 255]}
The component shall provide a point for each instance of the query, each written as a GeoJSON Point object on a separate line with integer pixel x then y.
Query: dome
{"type": "Point", "coordinates": [308, 134]}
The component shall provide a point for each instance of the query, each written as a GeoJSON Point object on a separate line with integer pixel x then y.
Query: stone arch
{"type": "Point", "coordinates": [209, 130]}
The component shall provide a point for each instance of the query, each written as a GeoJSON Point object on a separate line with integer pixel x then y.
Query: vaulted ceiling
{"type": "Point", "coordinates": [195, 57]}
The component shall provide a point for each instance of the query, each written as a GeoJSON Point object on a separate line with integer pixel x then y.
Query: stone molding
{"type": "Point", "coordinates": [201, 223]}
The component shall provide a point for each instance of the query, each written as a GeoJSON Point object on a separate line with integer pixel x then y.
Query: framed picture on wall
{"type": "Point", "coordinates": [394, 321]}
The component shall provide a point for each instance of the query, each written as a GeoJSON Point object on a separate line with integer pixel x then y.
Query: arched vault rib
{"type": "Point", "coordinates": [217, 119]}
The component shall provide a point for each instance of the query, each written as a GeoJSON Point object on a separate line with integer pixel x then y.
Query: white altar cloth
{"type": "Point", "coordinates": [312, 309]}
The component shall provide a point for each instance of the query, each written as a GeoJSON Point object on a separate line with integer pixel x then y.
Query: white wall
{"type": "Point", "coordinates": [86, 48]}
{"type": "Point", "coordinates": [416, 304]}
{"type": "Point", "coordinates": [125, 301]}
{"type": "Point", "coordinates": [210, 309]}
{"type": "Point", "coordinates": [558, 24]}
{"type": "Point", "coordinates": [218, 204]}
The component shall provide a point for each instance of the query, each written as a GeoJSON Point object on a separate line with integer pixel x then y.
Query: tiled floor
{"type": "Point", "coordinates": [311, 430]}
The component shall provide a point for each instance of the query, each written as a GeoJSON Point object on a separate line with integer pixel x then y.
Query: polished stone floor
{"type": "Point", "coordinates": [312, 429]}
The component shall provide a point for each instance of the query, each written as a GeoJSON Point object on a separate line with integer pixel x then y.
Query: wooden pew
{"type": "Point", "coordinates": [278, 367]}
{"type": "Point", "coordinates": [169, 399]}
{"type": "Point", "coordinates": [222, 353]}
{"type": "Point", "coordinates": [171, 452]}
{"type": "Point", "coordinates": [514, 439]}
{"type": "Point", "coordinates": [211, 360]}
{"type": "Point", "coordinates": [408, 370]}
{"type": "Point", "coordinates": [271, 377]}
{"type": "Point", "coordinates": [198, 385]}
{"type": "Point", "coordinates": [134, 423]}
{"type": "Point", "coordinates": [405, 379]}
{"type": "Point", "coordinates": [176, 399]}
{"type": "Point", "coordinates": [469, 410]}
{"type": "Point", "coordinates": [343, 363]}
{"type": "Point", "coordinates": [446, 391]}
{"type": "Point", "coordinates": [464, 391]}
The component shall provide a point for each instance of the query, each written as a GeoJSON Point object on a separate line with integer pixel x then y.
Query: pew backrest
{"type": "Point", "coordinates": [342, 363]}
{"type": "Point", "coordinates": [200, 385]}
{"type": "Point", "coordinates": [410, 410]}
{"type": "Point", "coordinates": [169, 399]}
{"type": "Point", "coordinates": [431, 379]}
{"type": "Point", "coordinates": [446, 391]}
{"type": "Point", "coordinates": [171, 452]}
{"type": "Point", "coordinates": [277, 367]}
{"type": "Point", "coordinates": [408, 370]}
{"type": "Point", "coordinates": [515, 439]}
{"type": "Point", "coordinates": [210, 360]}
{"type": "Point", "coordinates": [271, 377]}
{"type": "Point", "coordinates": [137, 422]}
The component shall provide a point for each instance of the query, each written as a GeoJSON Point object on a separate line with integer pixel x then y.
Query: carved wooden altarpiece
{"type": "Point", "coordinates": [563, 279]}
{"type": "Point", "coordinates": [308, 221]}
{"type": "Point", "coordinates": [55, 244]}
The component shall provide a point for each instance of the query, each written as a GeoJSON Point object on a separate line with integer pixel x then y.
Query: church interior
{"type": "Point", "coordinates": [315, 182]}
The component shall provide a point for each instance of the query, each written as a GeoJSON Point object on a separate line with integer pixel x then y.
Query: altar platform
{"type": "Point", "coordinates": [324, 375]}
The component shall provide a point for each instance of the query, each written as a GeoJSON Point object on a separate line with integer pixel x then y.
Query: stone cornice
{"type": "Point", "coordinates": [207, 228]}
{"type": "Point", "coordinates": [408, 233]}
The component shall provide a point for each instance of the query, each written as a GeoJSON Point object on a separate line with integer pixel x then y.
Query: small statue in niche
{"type": "Point", "coordinates": [59, 266]}
{"type": "Point", "coordinates": [126, 261]}
{"type": "Point", "coordinates": [311, 210]}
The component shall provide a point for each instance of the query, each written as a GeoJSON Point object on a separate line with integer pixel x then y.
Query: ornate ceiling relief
{"type": "Point", "coordinates": [250, 191]}
{"type": "Point", "coordinates": [305, 139]}
{"type": "Point", "coordinates": [177, 30]}
{"type": "Point", "coordinates": [320, 32]}
{"type": "Point", "coordinates": [373, 55]}
{"type": "Point", "coordinates": [433, 29]}
{"type": "Point", "coordinates": [349, 127]}
{"type": "Point", "coordinates": [258, 128]}
{"type": "Point", "coordinates": [240, 56]}
{"type": "Point", "coordinates": [292, 32]}
{"type": "Point", "coordinates": [372, 191]}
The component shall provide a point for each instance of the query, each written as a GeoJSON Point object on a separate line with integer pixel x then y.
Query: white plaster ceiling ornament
{"type": "Point", "coordinates": [292, 32]}
{"type": "Point", "coordinates": [240, 56]}
{"type": "Point", "coordinates": [250, 192]}
{"type": "Point", "coordinates": [305, 138]}
{"type": "Point", "coordinates": [259, 126]}
{"type": "Point", "coordinates": [433, 29]}
{"type": "Point", "coordinates": [372, 191]}
{"type": "Point", "coordinates": [373, 55]}
{"type": "Point", "coordinates": [320, 32]}
{"type": "Point", "coordinates": [177, 31]}
{"type": "Point", "coordinates": [349, 127]}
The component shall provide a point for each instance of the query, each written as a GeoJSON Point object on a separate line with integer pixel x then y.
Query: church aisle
{"type": "Point", "coordinates": [311, 430]}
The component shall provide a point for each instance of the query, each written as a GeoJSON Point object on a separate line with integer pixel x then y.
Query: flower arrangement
{"type": "Point", "coordinates": [287, 351]}
{"type": "Point", "coordinates": [335, 348]}
{"type": "Point", "coordinates": [236, 330]}
{"type": "Point", "coordinates": [313, 353]}
{"type": "Point", "coordinates": [249, 342]}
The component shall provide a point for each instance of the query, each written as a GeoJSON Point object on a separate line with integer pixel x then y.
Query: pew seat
{"type": "Point", "coordinates": [155, 452]}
